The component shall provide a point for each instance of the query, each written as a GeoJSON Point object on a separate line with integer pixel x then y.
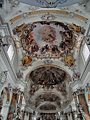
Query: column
{"type": "Point", "coordinates": [69, 116]}
{"type": "Point", "coordinates": [72, 114]}
{"type": "Point", "coordinates": [75, 95]}
{"type": "Point", "coordinates": [20, 98]}
{"type": "Point", "coordinates": [63, 117]}
{"type": "Point", "coordinates": [66, 115]}
{"type": "Point", "coordinates": [23, 115]}
{"type": "Point", "coordinates": [83, 103]}
{"type": "Point", "coordinates": [1, 103]}
{"type": "Point", "coordinates": [30, 116]}
{"type": "Point", "coordinates": [75, 99]}
{"type": "Point", "coordinates": [27, 113]}
{"type": "Point", "coordinates": [6, 107]}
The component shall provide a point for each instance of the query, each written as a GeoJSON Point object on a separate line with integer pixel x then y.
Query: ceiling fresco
{"type": "Point", "coordinates": [49, 97]}
{"type": "Point", "coordinates": [47, 107]}
{"type": "Point", "coordinates": [46, 52]}
{"type": "Point", "coordinates": [51, 3]}
{"type": "Point", "coordinates": [48, 75]}
{"type": "Point", "coordinates": [49, 116]}
{"type": "Point", "coordinates": [55, 40]}
{"type": "Point", "coordinates": [48, 83]}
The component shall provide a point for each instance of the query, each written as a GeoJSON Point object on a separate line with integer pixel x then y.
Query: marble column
{"type": "Point", "coordinates": [83, 103]}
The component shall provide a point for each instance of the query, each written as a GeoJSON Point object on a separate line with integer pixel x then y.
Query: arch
{"type": "Point", "coordinates": [56, 64]}
{"type": "Point", "coordinates": [38, 63]}
{"type": "Point", "coordinates": [41, 12]}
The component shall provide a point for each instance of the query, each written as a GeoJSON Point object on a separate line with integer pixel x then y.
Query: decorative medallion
{"type": "Point", "coordinates": [69, 60]}
{"type": "Point", "coordinates": [26, 60]}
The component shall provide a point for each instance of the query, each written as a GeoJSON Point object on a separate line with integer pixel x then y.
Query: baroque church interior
{"type": "Point", "coordinates": [44, 59]}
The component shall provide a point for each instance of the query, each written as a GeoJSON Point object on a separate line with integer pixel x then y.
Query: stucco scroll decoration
{"type": "Point", "coordinates": [47, 61]}
{"type": "Point", "coordinates": [51, 3]}
{"type": "Point", "coordinates": [48, 17]}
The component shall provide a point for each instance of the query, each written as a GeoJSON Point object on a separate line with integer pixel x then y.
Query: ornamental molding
{"type": "Point", "coordinates": [50, 3]}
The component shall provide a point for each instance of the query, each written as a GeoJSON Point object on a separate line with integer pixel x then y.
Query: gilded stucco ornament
{"type": "Point", "coordinates": [26, 61]}
{"type": "Point", "coordinates": [69, 60]}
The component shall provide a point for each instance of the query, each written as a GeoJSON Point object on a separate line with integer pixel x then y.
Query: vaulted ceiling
{"type": "Point", "coordinates": [47, 43]}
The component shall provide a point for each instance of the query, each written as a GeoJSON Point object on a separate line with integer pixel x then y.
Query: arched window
{"type": "Point", "coordinates": [86, 52]}
{"type": "Point", "coordinates": [10, 52]}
